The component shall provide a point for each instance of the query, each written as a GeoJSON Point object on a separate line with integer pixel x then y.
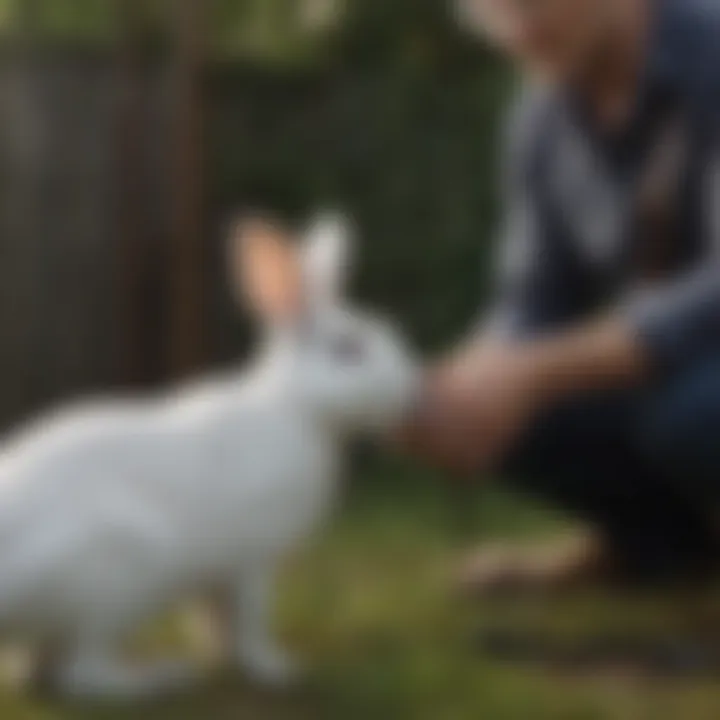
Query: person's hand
{"type": "Point", "coordinates": [475, 406]}
{"type": "Point", "coordinates": [477, 403]}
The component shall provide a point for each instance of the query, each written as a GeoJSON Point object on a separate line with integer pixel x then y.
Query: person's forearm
{"type": "Point", "coordinates": [599, 356]}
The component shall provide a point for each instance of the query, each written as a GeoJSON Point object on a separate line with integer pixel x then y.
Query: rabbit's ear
{"type": "Point", "coordinates": [267, 270]}
{"type": "Point", "coordinates": [327, 256]}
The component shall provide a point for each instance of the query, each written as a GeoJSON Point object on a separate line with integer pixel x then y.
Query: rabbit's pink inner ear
{"type": "Point", "coordinates": [268, 269]}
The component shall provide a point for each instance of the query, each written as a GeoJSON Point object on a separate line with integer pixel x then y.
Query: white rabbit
{"type": "Point", "coordinates": [112, 511]}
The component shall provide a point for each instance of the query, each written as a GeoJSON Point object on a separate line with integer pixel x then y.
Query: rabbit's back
{"type": "Point", "coordinates": [111, 499]}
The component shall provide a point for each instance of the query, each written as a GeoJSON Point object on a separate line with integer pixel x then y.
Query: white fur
{"type": "Point", "coordinates": [114, 510]}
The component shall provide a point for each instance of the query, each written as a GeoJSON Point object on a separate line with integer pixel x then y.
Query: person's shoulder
{"type": "Point", "coordinates": [696, 27]}
{"type": "Point", "coordinates": [698, 11]}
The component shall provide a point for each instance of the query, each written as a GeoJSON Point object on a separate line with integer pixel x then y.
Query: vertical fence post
{"type": "Point", "coordinates": [186, 340]}
{"type": "Point", "coordinates": [134, 352]}
{"type": "Point", "coordinates": [24, 382]}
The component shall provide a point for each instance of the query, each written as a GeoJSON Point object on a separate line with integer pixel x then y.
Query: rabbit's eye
{"type": "Point", "coordinates": [348, 348]}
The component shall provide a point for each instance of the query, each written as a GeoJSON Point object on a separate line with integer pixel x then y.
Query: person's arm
{"type": "Point", "coordinates": [483, 398]}
{"type": "Point", "coordinates": [538, 279]}
{"type": "Point", "coordinates": [598, 355]}
{"type": "Point", "coordinates": [680, 320]}
{"type": "Point", "coordinates": [661, 330]}
{"type": "Point", "coordinates": [540, 284]}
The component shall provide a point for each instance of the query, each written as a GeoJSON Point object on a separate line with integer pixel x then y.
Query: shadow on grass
{"type": "Point", "coordinates": [676, 658]}
{"type": "Point", "coordinates": [223, 699]}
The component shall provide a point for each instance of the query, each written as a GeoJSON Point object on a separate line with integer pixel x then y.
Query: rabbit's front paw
{"type": "Point", "coordinates": [270, 667]}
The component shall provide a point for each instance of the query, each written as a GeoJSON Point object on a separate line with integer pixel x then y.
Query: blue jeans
{"type": "Point", "coordinates": [642, 466]}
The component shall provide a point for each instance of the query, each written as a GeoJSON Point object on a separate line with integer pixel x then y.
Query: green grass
{"type": "Point", "coordinates": [370, 611]}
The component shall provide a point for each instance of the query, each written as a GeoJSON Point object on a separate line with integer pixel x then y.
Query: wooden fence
{"type": "Point", "coordinates": [120, 168]}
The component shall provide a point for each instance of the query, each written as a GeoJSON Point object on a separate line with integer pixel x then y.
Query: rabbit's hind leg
{"type": "Point", "coordinates": [92, 666]}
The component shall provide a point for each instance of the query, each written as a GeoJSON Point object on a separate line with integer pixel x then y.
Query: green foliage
{"type": "Point", "coordinates": [387, 109]}
{"type": "Point", "coordinates": [274, 30]}
{"type": "Point", "coordinates": [71, 19]}
{"type": "Point", "coordinates": [396, 121]}
{"type": "Point", "coordinates": [278, 30]}
{"type": "Point", "coordinates": [407, 148]}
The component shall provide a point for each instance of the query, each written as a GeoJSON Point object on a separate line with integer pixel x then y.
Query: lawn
{"type": "Point", "coordinates": [370, 610]}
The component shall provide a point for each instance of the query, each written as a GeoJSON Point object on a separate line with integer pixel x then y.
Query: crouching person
{"type": "Point", "coordinates": [595, 383]}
